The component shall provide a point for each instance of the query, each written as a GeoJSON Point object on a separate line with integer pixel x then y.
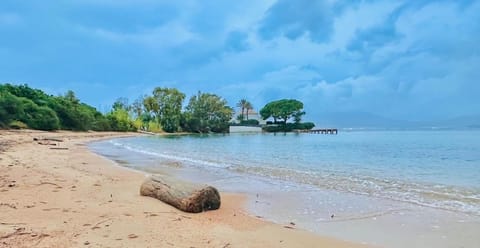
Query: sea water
{"type": "Point", "coordinates": [423, 186]}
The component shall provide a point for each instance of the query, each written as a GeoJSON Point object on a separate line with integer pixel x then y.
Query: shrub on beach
{"type": "Point", "coordinates": [10, 107]}
{"type": "Point", "coordinates": [154, 126]}
{"type": "Point", "coordinates": [120, 121]}
{"type": "Point", "coordinates": [43, 118]}
{"type": "Point", "coordinates": [17, 125]}
{"type": "Point", "coordinates": [20, 112]}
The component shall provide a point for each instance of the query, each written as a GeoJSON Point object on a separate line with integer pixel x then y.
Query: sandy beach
{"type": "Point", "coordinates": [59, 194]}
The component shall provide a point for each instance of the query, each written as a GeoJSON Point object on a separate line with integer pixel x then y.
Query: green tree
{"type": "Point", "coordinates": [151, 106]}
{"type": "Point", "coordinates": [207, 113]}
{"type": "Point", "coordinates": [43, 118]}
{"type": "Point", "coordinates": [20, 103]}
{"type": "Point", "coordinates": [297, 116]}
{"type": "Point", "coordinates": [120, 120]}
{"type": "Point", "coordinates": [11, 108]}
{"type": "Point", "coordinates": [283, 109]}
{"type": "Point", "coordinates": [169, 101]}
{"type": "Point", "coordinates": [121, 103]}
{"type": "Point", "coordinates": [23, 90]}
{"type": "Point", "coordinates": [72, 114]}
{"type": "Point", "coordinates": [70, 96]}
{"type": "Point", "coordinates": [137, 107]}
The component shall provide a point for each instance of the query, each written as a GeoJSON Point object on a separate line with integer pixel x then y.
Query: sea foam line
{"type": "Point", "coordinates": [193, 162]}
{"type": "Point", "coordinates": [434, 196]}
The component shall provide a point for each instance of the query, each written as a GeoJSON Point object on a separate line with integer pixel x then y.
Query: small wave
{"type": "Point", "coordinates": [466, 200]}
{"type": "Point", "coordinates": [173, 158]}
{"type": "Point", "coordinates": [435, 196]}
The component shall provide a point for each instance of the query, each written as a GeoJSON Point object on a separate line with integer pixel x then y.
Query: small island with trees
{"type": "Point", "coordinates": [163, 111]}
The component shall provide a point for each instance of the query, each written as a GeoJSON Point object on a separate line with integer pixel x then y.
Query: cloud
{"type": "Point", "coordinates": [237, 41]}
{"type": "Point", "coordinates": [400, 59]}
{"type": "Point", "coordinates": [165, 36]}
{"type": "Point", "coordinates": [293, 19]}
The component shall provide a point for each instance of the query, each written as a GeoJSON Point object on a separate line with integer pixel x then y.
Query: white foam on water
{"type": "Point", "coordinates": [428, 195]}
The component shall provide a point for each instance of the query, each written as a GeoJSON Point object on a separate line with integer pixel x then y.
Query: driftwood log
{"type": "Point", "coordinates": [188, 197]}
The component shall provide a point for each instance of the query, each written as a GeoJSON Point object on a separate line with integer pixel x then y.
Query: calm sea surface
{"type": "Point", "coordinates": [379, 171]}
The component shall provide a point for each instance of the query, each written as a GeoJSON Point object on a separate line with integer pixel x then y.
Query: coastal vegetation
{"type": "Point", "coordinates": [207, 113]}
{"type": "Point", "coordinates": [281, 111]}
{"type": "Point", "coordinates": [163, 111]}
{"type": "Point", "coordinates": [24, 107]}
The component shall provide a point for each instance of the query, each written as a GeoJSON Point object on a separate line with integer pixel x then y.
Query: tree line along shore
{"type": "Point", "coordinates": [163, 111]}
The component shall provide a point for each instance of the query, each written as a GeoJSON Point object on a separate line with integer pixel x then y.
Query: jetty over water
{"type": "Point", "coordinates": [320, 131]}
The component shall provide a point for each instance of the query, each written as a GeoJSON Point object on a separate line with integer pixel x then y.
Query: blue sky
{"type": "Point", "coordinates": [408, 60]}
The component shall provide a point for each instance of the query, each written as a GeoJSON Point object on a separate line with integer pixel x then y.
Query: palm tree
{"type": "Point", "coordinates": [242, 104]}
{"type": "Point", "coordinates": [248, 106]}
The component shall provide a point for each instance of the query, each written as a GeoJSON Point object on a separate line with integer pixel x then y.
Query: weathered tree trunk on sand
{"type": "Point", "coordinates": [188, 197]}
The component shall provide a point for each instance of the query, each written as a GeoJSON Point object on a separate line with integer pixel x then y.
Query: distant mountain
{"type": "Point", "coordinates": [359, 120]}
{"type": "Point", "coordinates": [372, 121]}
{"type": "Point", "coordinates": [470, 121]}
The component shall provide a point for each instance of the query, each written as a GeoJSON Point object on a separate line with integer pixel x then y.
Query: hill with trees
{"type": "Point", "coordinates": [24, 107]}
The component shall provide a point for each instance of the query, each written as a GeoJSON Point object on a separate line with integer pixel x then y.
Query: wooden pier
{"type": "Point", "coordinates": [320, 131]}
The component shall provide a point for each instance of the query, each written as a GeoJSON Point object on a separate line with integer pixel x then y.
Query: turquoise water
{"type": "Point", "coordinates": [435, 169]}
{"type": "Point", "coordinates": [422, 188]}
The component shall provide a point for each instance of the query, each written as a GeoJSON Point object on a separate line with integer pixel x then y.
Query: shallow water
{"type": "Point", "coordinates": [413, 183]}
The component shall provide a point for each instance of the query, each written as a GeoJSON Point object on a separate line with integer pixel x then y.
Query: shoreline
{"type": "Point", "coordinates": [72, 197]}
{"type": "Point", "coordinates": [357, 218]}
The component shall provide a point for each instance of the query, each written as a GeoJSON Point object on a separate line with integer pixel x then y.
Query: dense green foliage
{"type": "Point", "coordinates": [24, 107]}
{"type": "Point", "coordinates": [20, 111]}
{"type": "Point", "coordinates": [283, 109]}
{"type": "Point", "coordinates": [20, 104]}
{"type": "Point", "coordinates": [169, 102]}
{"type": "Point", "coordinates": [207, 113]}
{"type": "Point", "coordinates": [288, 127]}
{"type": "Point", "coordinates": [119, 119]}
